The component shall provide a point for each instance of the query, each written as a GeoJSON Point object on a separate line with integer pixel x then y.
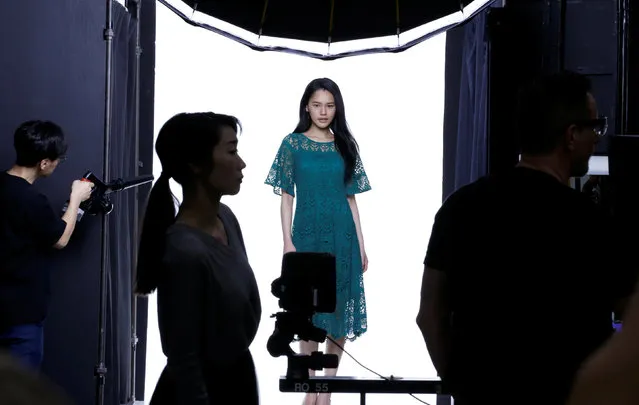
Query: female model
{"type": "Point", "coordinates": [208, 301]}
{"type": "Point", "coordinates": [319, 163]}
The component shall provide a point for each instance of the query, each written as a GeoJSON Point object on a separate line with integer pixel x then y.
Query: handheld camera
{"type": "Point", "coordinates": [100, 202]}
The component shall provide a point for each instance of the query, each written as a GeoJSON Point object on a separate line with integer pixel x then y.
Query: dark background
{"type": "Point", "coordinates": [489, 57]}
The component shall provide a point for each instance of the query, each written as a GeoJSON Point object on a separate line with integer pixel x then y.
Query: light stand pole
{"type": "Point", "coordinates": [136, 206]}
{"type": "Point", "coordinates": [623, 25]}
{"type": "Point", "coordinates": [100, 369]}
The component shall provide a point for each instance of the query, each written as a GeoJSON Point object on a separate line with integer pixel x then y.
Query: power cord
{"type": "Point", "coordinates": [391, 378]}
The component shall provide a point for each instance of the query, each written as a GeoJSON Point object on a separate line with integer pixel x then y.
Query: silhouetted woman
{"type": "Point", "coordinates": [208, 302]}
{"type": "Point", "coordinates": [320, 163]}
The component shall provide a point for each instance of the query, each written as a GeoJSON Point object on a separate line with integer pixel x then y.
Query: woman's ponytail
{"type": "Point", "coordinates": [159, 215]}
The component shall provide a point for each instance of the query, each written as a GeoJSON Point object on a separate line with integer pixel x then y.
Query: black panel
{"type": "Point", "coordinates": [590, 37]}
{"type": "Point", "coordinates": [52, 67]}
{"type": "Point", "coordinates": [555, 35]}
{"type": "Point", "coordinates": [624, 171]}
{"type": "Point", "coordinates": [515, 56]}
{"type": "Point", "coordinates": [591, 49]}
{"type": "Point", "coordinates": [633, 68]}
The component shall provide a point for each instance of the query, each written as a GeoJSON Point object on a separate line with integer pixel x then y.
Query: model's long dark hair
{"type": "Point", "coordinates": [344, 141]}
{"type": "Point", "coordinates": [185, 141]}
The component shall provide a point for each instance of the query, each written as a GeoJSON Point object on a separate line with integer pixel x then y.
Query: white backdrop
{"type": "Point", "coordinates": [394, 104]}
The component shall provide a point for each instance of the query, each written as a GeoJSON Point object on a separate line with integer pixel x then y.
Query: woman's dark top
{"type": "Point", "coordinates": [208, 305]}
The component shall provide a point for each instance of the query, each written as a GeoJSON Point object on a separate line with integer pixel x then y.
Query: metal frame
{"type": "Point", "coordinates": [100, 370]}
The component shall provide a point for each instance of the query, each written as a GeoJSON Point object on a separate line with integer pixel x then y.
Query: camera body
{"type": "Point", "coordinates": [99, 201]}
{"type": "Point", "coordinates": [308, 283]}
{"type": "Point", "coordinates": [307, 286]}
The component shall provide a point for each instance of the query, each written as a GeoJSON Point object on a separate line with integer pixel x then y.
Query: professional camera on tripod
{"type": "Point", "coordinates": [307, 286]}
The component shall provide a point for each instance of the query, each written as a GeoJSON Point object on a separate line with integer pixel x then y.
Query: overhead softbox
{"type": "Point", "coordinates": [327, 29]}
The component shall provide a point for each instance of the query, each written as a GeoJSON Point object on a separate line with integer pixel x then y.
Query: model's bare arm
{"type": "Point", "coordinates": [286, 214]}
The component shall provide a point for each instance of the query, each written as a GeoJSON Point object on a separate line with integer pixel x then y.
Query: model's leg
{"type": "Point", "coordinates": [331, 348]}
{"type": "Point", "coordinates": [308, 347]}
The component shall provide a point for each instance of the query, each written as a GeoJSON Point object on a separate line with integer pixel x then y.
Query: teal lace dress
{"type": "Point", "coordinates": [313, 172]}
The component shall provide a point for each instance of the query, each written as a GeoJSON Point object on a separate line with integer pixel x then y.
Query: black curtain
{"type": "Point", "coordinates": [632, 69]}
{"type": "Point", "coordinates": [122, 221]}
{"type": "Point", "coordinates": [465, 110]}
{"type": "Point", "coordinates": [465, 113]}
{"type": "Point", "coordinates": [146, 142]}
{"type": "Point", "coordinates": [52, 68]}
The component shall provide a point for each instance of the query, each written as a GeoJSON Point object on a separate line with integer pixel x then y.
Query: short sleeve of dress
{"type": "Point", "coordinates": [359, 183]}
{"type": "Point", "coordinates": [282, 173]}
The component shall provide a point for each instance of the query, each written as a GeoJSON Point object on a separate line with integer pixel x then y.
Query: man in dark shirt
{"type": "Point", "coordinates": [29, 228]}
{"type": "Point", "coordinates": [517, 289]}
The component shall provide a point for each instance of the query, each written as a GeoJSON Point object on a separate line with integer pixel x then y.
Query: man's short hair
{"type": "Point", "coordinates": [547, 107]}
{"type": "Point", "coordinates": [35, 141]}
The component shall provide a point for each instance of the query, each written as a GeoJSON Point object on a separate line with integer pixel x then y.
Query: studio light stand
{"type": "Point", "coordinates": [100, 369]}
{"type": "Point", "coordinates": [100, 204]}
{"type": "Point", "coordinates": [623, 62]}
{"type": "Point", "coordinates": [136, 207]}
{"type": "Point", "coordinates": [307, 286]}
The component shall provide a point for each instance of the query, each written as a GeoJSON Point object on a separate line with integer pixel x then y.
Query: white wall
{"type": "Point", "coordinates": [395, 108]}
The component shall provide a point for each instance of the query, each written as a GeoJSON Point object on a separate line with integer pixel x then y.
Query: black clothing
{"type": "Point", "coordinates": [28, 230]}
{"type": "Point", "coordinates": [233, 384]}
{"type": "Point", "coordinates": [208, 313]}
{"type": "Point", "coordinates": [532, 282]}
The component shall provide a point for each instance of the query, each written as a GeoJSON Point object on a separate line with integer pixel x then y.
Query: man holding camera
{"type": "Point", "coordinates": [29, 228]}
